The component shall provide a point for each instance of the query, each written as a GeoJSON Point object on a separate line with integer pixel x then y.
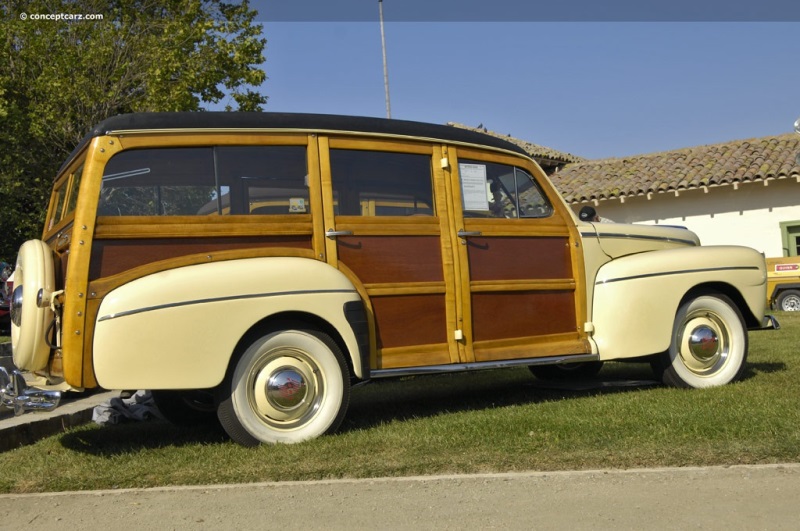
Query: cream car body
{"type": "Point", "coordinates": [178, 329]}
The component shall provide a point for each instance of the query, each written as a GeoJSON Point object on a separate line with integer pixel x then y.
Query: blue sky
{"type": "Point", "coordinates": [595, 89]}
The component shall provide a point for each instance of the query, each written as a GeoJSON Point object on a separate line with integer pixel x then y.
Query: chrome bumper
{"type": "Point", "coordinates": [17, 395]}
{"type": "Point", "coordinates": [769, 322]}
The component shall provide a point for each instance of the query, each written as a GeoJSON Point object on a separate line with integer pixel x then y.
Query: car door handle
{"type": "Point", "coordinates": [336, 233]}
{"type": "Point", "coordinates": [467, 233]}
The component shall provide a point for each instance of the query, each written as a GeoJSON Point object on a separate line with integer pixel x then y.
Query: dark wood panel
{"type": "Point", "coordinates": [379, 259]}
{"type": "Point", "coordinates": [512, 258]}
{"type": "Point", "coordinates": [110, 257]}
{"type": "Point", "coordinates": [521, 314]}
{"type": "Point", "coordinates": [405, 320]}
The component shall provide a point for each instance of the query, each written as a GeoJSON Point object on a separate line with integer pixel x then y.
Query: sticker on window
{"type": "Point", "coordinates": [297, 205]}
{"type": "Point", "coordinates": [473, 186]}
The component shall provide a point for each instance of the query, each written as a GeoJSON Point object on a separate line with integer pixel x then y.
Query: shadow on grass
{"type": "Point", "coordinates": [754, 369]}
{"type": "Point", "coordinates": [375, 404]}
{"type": "Point", "coordinates": [429, 396]}
{"type": "Point", "coordinates": [402, 399]}
{"type": "Point", "coordinates": [111, 441]}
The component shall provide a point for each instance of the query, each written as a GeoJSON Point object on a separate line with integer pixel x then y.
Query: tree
{"type": "Point", "coordinates": [58, 78]}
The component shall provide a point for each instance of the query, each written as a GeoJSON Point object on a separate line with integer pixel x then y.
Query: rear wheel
{"type": "Point", "coordinates": [709, 344]}
{"type": "Point", "coordinates": [288, 386]}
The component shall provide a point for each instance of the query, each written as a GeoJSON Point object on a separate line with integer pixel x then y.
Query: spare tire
{"type": "Point", "coordinates": [29, 323]}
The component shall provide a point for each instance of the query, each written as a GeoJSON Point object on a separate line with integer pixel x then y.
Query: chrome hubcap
{"type": "Point", "coordinates": [285, 388]}
{"type": "Point", "coordinates": [705, 344]}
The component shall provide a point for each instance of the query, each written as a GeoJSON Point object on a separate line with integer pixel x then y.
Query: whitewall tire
{"type": "Point", "coordinates": [34, 271]}
{"type": "Point", "coordinates": [288, 386]}
{"type": "Point", "coordinates": [709, 344]}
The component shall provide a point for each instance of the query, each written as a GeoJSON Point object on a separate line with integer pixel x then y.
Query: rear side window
{"type": "Point", "coordinates": [66, 197]}
{"type": "Point", "coordinates": [206, 181]}
{"type": "Point", "coordinates": [381, 183]}
{"type": "Point", "coordinates": [158, 182]}
{"type": "Point", "coordinates": [263, 179]}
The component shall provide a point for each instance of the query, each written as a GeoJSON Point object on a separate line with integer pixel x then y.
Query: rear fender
{"type": "Point", "coordinates": [178, 329]}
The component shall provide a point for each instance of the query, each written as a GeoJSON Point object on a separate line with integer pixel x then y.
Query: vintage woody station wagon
{"type": "Point", "coordinates": [257, 266]}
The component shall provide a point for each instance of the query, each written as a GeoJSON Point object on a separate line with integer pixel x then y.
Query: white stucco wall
{"type": "Point", "coordinates": [749, 215]}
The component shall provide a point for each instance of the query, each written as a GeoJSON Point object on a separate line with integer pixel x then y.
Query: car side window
{"type": "Point", "coordinates": [158, 182]}
{"type": "Point", "coordinates": [206, 181]}
{"type": "Point", "coordinates": [381, 183]}
{"type": "Point", "coordinates": [262, 180]}
{"type": "Point", "coordinates": [493, 190]}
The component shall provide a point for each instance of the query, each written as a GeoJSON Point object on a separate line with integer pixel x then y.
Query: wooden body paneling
{"type": "Point", "coordinates": [435, 298]}
{"type": "Point", "coordinates": [510, 314]}
{"type": "Point", "coordinates": [111, 257]}
{"type": "Point", "coordinates": [395, 259]}
{"type": "Point", "coordinates": [518, 257]}
{"type": "Point", "coordinates": [517, 278]}
{"type": "Point", "coordinates": [408, 320]}
{"type": "Point", "coordinates": [432, 297]}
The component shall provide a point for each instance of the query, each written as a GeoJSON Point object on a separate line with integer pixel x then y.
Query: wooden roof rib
{"type": "Point", "coordinates": [730, 163]}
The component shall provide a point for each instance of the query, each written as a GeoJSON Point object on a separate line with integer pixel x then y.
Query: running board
{"type": "Point", "coordinates": [17, 395]}
{"type": "Point", "coordinates": [479, 366]}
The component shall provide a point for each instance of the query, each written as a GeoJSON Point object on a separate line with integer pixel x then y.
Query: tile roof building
{"type": "Point", "coordinates": [728, 164]}
{"type": "Point", "coordinates": [549, 159]}
{"type": "Point", "coordinates": [745, 192]}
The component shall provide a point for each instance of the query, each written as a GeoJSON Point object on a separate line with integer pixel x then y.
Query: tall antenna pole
{"type": "Point", "coordinates": [385, 66]}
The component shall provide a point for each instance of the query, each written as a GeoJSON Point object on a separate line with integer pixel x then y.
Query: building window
{"type": "Point", "coordinates": [790, 235]}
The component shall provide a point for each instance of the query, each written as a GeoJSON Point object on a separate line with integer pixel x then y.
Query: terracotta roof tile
{"type": "Point", "coordinates": [536, 151]}
{"type": "Point", "coordinates": [740, 161]}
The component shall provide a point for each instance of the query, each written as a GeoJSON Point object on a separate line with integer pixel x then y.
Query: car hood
{"type": "Point", "coordinates": [619, 239]}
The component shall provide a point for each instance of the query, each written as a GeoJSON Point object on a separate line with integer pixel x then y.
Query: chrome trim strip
{"type": "Point", "coordinates": [482, 365]}
{"type": "Point", "coordinates": [220, 299]}
{"type": "Point", "coordinates": [680, 272]}
{"type": "Point", "coordinates": [613, 235]}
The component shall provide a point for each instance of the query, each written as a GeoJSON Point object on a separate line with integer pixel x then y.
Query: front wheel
{"type": "Point", "coordinates": [709, 344]}
{"type": "Point", "coordinates": [287, 387]}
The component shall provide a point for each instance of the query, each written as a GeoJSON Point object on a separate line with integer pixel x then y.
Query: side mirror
{"type": "Point", "coordinates": [797, 130]}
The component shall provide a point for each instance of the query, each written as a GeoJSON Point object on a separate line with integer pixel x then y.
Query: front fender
{"type": "Point", "coordinates": [178, 329]}
{"type": "Point", "coordinates": [636, 297]}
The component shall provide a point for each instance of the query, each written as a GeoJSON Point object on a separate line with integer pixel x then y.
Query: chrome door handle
{"type": "Point", "coordinates": [335, 233]}
{"type": "Point", "coordinates": [467, 233]}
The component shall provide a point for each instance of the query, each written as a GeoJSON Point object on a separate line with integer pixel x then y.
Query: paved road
{"type": "Point", "coordinates": [730, 498]}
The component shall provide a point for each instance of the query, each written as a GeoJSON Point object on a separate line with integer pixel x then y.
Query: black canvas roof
{"type": "Point", "coordinates": [303, 122]}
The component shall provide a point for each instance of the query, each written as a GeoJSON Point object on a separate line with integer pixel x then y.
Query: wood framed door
{"type": "Point", "coordinates": [387, 228]}
{"type": "Point", "coordinates": [516, 262]}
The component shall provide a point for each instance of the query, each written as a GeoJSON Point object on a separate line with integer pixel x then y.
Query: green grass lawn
{"type": "Point", "coordinates": [493, 421]}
